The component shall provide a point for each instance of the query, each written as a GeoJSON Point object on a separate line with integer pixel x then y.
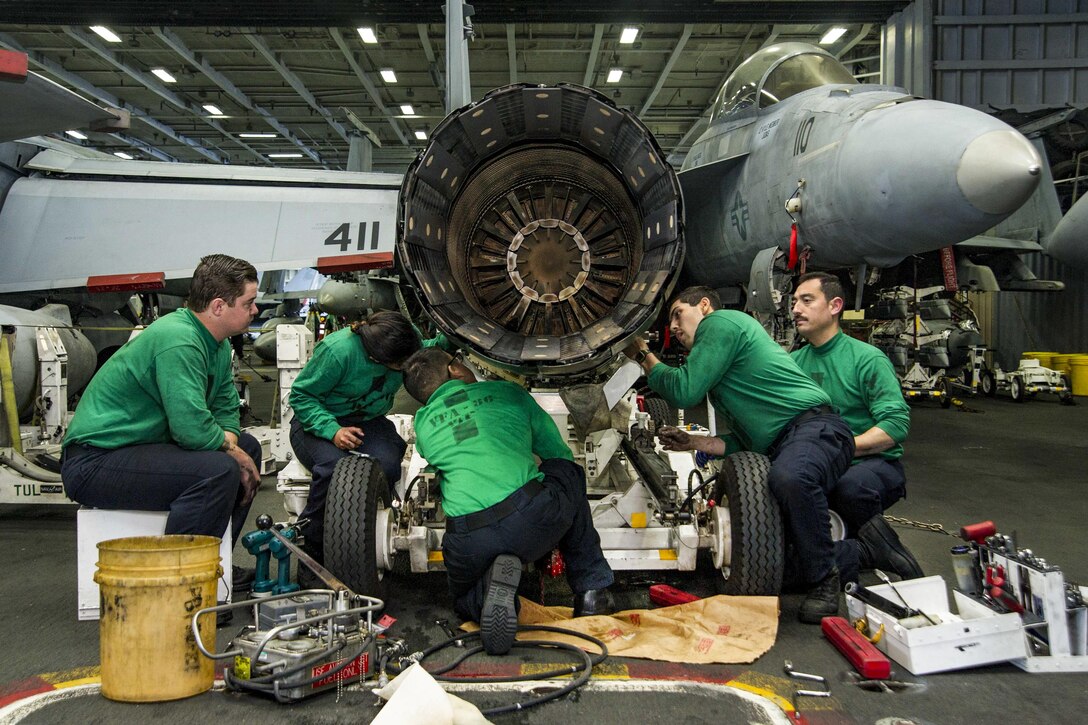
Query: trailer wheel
{"type": "Point", "coordinates": [946, 395]}
{"type": "Point", "coordinates": [748, 544]}
{"type": "Point", "coordinates": [989, 383]}
{"type": "Point", "coordinates": [1016, 389]}
{"type": "Point", "coordinates": [661, 413]}
{"type": "Point", "coordinates": [1066, 397]}
{"type": "Point", "coordinates": [357, 536]}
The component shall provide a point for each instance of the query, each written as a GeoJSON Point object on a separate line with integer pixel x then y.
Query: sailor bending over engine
{"type": "Point", "coordinates": [340, 401]}
{"type": "Point", "coordinates": [861, 383]}
{"type": "Point", "coordinates": [773, 408]}
{"type": "Point", "coordinates": [158, 427]}
{"type": "Point", "coordinates": [502, 508]}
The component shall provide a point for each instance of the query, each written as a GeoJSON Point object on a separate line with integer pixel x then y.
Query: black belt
{"type": "Point", "coordinates": [800, 418]}
{"type": "Point", "coordinates": [498, 512]}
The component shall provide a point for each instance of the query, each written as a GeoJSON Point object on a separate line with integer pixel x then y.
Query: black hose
{"type": "Point", "coordinates": [700, 487]}
{"type": "Point", "coordinates": [584, 667]}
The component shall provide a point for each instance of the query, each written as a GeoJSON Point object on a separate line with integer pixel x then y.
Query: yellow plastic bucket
{"type": "Point", "coordinates": [1078, 377]}
{"type": "Point", "coordinates": [1060, 362]}
{"type": "Point", "coordinates": [150, 588]}
{"type": "Point", "coordinates": [1045, 358]}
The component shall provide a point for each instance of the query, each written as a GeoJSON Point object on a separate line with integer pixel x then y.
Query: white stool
{"type": "Point", "coordinates": [95, 525]}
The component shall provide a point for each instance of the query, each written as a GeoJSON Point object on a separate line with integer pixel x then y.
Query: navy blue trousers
{"type": "Point", "coordinates": [200, 489]}
{"type": "Point", "coordinates": [867, 489]}
{"type": "Point", "coordinates": [806, 463]}
{"type": "Point", "coordinates": [557, 517]}
{"type": "Point", "coordinates": [380, 441]}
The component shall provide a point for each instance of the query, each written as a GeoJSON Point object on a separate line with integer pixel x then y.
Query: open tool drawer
{"type": "Point", "coordinates": [975, 636]}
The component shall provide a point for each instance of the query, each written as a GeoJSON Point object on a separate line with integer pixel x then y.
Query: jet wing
{"type": "Point", "coordinates": [40, 106]}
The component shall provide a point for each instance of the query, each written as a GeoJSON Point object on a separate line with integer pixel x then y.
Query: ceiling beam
{"type": "Point", "coordinates": [433, 68]}
{"type": "Point", "coordinates": [295, 82]}
{"type": "Point", "coordinates": [858, 37]}
{"type": "Point", "coordinates": [143, 146]}
{"type": "Point", "coordinates": [154, 85]}
{"type": "Point", "coordinates": [594, 51]}
{"type": "Point", "coordinates": [346, 13]}
{"type": "Point", "coordinates": [375, 95]}
{"type": "Point", "coordinates": [675, 56]}
{"type": "Point", "coordinates": [511, 52]}
{"type": "Point", "coordinates": [175, 43]}
{"type": "Point", "coordinates": [58, 71]}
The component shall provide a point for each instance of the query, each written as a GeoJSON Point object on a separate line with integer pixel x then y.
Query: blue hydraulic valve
{"type": "Point", "coordinates": [264, 545]}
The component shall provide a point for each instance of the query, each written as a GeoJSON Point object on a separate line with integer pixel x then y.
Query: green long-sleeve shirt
{"type": "Point", "coordinates": [172, 383]}
{"type": "Point", "coordinates": [751, 381]}
{"type": "Point", "coordinates": [862, 384]}
{"type": "Point", "coordinates": [481, 437]}
{"type": "Point", "coordinates": [340, 380]}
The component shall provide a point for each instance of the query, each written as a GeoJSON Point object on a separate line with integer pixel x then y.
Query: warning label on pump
{"type": "Point", "coordinates": [356, 668]}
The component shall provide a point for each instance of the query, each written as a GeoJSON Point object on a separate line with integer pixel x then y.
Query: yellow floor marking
{"type": "Point", "coordinates": [73, 677]}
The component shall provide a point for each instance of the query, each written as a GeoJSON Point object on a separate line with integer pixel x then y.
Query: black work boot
{"type": "Point", "coordinates": [594, 602]}
{"type": "Point", "coordinates": [880, 548]}
{"type": "Point", "coordinates": [242, 578]}
{"type": "Point", "coordinates": [499, 616]}
{"type": "Point", "coordinates": [822, 599]}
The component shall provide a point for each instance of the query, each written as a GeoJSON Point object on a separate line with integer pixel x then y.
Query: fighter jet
{"type": "Point", "coordinates": [864, 174]}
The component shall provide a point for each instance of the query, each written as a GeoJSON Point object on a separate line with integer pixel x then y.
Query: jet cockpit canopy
{"type": "Point", "coordinates": [775, 73]}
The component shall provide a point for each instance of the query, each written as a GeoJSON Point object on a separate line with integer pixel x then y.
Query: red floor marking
{"type": "Point", "coordinates": [14, 691]}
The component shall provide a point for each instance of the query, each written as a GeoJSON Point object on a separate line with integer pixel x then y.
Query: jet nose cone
{"type": "Point", "coordinates": [998, 171]}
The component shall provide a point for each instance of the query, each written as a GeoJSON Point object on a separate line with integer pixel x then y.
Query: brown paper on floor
{"type": "Point", "coordinates": [721, 629]}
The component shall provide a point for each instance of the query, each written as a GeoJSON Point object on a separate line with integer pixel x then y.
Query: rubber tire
{"type": "Point", "coordinates": [357, 489]}
{"type": "Point", "coordinates": [1066, 398]}
{"type": "Point", "coordinates": [1016, 389]}
{"type": "Point", "coordinates": [988, 384]}
{"type": "Point", "coordinates": [946, 395]}
{"type": "Point", "coordinates": [757, 535]}
{"type": "Point", "coordinates": [661, 413]}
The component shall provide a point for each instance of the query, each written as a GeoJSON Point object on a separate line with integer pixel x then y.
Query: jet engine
{"type": "Point", "coordinates": [541, 228]}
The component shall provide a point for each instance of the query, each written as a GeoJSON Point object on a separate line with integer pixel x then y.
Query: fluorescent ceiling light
{"type": "Point", "coordinates": [213, 110]}
{"type": "Point", "coordinates": [256, 134]}
{"type": "Point", "coordinates": [628, 35]}
{"type": "Point", "coordinates": [832, 35]}
{"type": "Point", "coordinates": [164, 75]}
{"type": "Point", "coordinates": [77, 134]}
{"type": "Point", "coordinates": [388, 75]}
{"type": "Point", "coordinates": [122, 155]}
{"type": "Point", "coordinates": [614, 75]}
{"type": "Point", "coordinates": [106, 34]}
{"type": "Point", "coordinates": [421, 135]}
{"type": "Point", "coordinates": [285, 156]}
{"type": "Point", "coordinates": [407, 110]}
{"type": "Point", "coordinates": [367, 34]}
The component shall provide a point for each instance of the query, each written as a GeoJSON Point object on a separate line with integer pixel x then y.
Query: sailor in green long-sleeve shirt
{"type": "Point", "coordinates": [772, 408]}
{"type": "Point", "coordinates": [340, 400]}
{"type": "Point", "coordinates": [502, 508]}
{"type": "Point", "coordinates": [158, 427]}
{"type": "Point", "coordinates": [862, 384]}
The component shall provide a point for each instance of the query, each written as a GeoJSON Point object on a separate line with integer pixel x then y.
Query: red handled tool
{"type": "Point", "coordinates": [665, 596]}
{"type": "Point", "coordinates": [866, 659]}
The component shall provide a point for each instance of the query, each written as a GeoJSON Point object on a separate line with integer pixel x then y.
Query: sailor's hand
{"type": "Point", "coordinates": [251, 477]}
{"type": "Point", "coordinates": [675, 439]}
{"type": "Point", "coordinates": [635, 347]}
{"type": "Point", "coordinates": [348, 438]}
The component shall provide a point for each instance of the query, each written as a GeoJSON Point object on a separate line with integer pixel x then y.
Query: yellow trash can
{"type": "Point", "coordinates": [150, 587]}
{"type": "Point", "coordinates": [1078, 377]}
{"type": "Point", "coordinates": [1060, 362]}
